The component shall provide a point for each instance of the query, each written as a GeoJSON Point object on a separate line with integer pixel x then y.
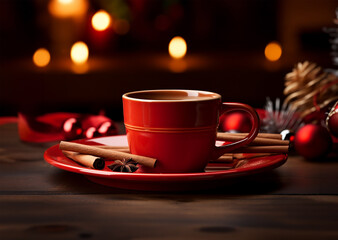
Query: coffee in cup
{"type": "Point", "coordinates": [179, 127]}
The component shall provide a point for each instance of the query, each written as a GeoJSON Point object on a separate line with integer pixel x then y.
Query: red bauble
{"type": "Point", "coordinates": [332, 120]}
{"type": "Point", "coordinates": [236, 122]}
{"type": "Point", "coordinates": [312, 141]}
{"type": "Point", "coordinates": [72, 129]}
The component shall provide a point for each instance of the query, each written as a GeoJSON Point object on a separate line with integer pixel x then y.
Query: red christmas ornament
{"type": "Point", "coordinates": [312, 141]}
{"type": "Point", "coordinates": [332, 120]}
{"type": "Point", "coordinates": [72, 129]}
{"type": "Point", "coordinates": [235, 122]}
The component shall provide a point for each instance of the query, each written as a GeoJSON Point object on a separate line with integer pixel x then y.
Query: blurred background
{"type": "Point", "coordinates": [82, 55]}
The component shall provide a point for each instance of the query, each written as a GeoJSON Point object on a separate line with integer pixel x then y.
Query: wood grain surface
{"type": "Point", "coordinates": [38, 201]}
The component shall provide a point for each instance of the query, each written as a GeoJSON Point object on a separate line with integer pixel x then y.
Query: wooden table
{"type": "Point", "coordinates": [38, 201]}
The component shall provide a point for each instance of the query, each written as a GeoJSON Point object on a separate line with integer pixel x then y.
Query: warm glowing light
{"type": "Point", "coordinates": [177, 47]}
{"type": "Point", "coordinates": [101, 20]}
{"type": "Point", "coordinates": [79, 53]}
{"type": "Point", "coordinates": [67, 8]}
{"type": "Point", "coordinates": [177, 65]}
{"type": "Point", "coordinates": [273, 51]}
{"type": "Point", "coordinates": [41, 57]}
{"type": "Point", "coordinates": [65, 1]}
{"type": "Point", "coordinates": [80, 68]}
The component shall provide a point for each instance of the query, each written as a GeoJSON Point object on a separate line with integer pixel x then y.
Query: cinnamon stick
{"type": "Point", "coordinates": [224, 159]}
{"type": "Point", "coordinates": [232, 157]}
{"type": "Point", "coordinates": [263, 149]}
{"type": "Point", "coordinates": [258, 141]}
{"type": "Point", "coordinates": [116, 148]}
{"type": "Point", "coordinates": [251, 155]}
{"type": "Point", "coordinates": [106, 153]}
{"type": "Point", "coordinates": [226, 166]}
{"type": "Point", "coordinates": [113, 147]}
{"type": "Point", "coordinates": [86, 160]}
{"type": "Point", "coordinates": [222, 166]}
{"type": "Point", "coordinates": [261, 135]}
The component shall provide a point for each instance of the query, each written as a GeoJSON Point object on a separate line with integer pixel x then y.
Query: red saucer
{"type": "Point", "coordinates": [211, 178]}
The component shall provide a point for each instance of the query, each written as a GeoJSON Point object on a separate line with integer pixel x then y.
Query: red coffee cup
{"type": "Point", "coordinates": [179, 127]}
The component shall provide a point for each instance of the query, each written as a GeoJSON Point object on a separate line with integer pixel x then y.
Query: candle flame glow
{"type": "Point", "coordinates": [41, 57]}
{"type": "Point", "coordinates": [177, 47]}
{"type": "Point", "coordinates": [101, 20]}
{"type": "Point", "coordinates": [68, 8]}
{"type": "Point", "coordinates": [65, 1]}
{"type": "Point", "coordinates": [79, 53]}
{"type": "Point", "coordinates": [273, 51]}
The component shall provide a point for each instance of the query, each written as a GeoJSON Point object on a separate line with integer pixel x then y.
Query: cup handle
{"type": "Point", "coordinates": [227, 107]}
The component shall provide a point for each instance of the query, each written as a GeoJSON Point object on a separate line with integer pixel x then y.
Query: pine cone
{"type": "Point", "coordinates": [308, 82]}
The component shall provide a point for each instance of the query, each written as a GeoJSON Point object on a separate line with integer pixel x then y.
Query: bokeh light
{"type": "Point", "coordinates": [65, 1]}
{"type": "Point", "coordinates": [177, 47]}
{"type": "Point", "coordinates": [177, 65]}
{"type": "Point", "coordinates": [41, 57]}
{"type": "Point", "coordinates": [273, 51]}
{"type": "Point", "coordinates": [67, 8]}
{"type": "Point", "coordinates": [79, 53]}
{"type": "Point", "coordinates": [101, 20]}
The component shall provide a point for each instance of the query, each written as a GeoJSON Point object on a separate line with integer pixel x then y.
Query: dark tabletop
{"type": "Point", "coordinates": [38, 201]}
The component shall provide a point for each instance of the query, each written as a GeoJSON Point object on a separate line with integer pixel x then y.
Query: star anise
{"type": "Point", "coordinates": [123, 165]}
